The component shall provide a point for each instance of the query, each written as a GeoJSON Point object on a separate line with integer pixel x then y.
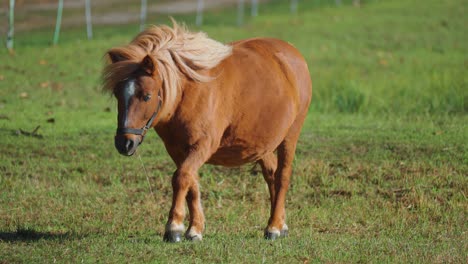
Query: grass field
{"type": "Point", "coordinates": [380, 173]}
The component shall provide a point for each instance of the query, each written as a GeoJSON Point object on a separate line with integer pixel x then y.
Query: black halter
{"type": "Point", "coordinates": [141, 131]}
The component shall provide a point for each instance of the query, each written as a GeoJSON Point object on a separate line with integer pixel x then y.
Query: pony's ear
{"type": "Point", "coordinates": [147, 64]}
{"type": "Point", "coordinates": [116, 56]}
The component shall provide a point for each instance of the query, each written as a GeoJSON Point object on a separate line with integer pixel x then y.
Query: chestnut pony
{"type": "Point", "coordinates": [213, 103]}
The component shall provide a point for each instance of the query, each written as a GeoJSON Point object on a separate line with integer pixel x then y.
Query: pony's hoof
{"type": "Point", "coordinates": [194, 238]}
{"type": "Point", "coordinates": [193, 235]}
{"type": "Point", "coordinates": [272, 235]}
{"type": "Point", "coordinates": [172, 237]}
{"type": "Point", "coordinates": [284, 233]}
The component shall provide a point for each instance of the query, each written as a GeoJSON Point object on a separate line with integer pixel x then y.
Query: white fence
{"type": "Point", "coordinates": [200, 5]}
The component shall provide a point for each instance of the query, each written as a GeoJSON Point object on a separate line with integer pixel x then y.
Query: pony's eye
{"type": "Point", "coordinates": [147, 97]}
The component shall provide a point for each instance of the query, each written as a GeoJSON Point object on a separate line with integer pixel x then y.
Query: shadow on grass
{"type": "Point", "coordinates": [31, 235]}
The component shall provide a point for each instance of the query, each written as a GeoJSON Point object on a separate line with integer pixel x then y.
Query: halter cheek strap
{"type": "Point", "coordinates": [141, 131]}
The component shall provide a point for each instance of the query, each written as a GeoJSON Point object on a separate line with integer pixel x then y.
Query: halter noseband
{"type": "Point", "coordinates": [141, 131]}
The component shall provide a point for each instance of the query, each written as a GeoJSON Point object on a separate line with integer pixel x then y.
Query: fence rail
{"type": "Point", "coordinates": [199, 8]}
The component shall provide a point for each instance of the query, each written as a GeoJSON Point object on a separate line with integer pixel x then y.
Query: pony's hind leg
{"type": "Point", "coordinates": [277, 223]}
{"type": "Point", "coordinates": [286, 150]}
{"type": "Point", "coordinates": [269, 164]}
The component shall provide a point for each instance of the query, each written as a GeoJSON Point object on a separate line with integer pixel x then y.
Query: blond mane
{"type": "Point", "coordinates": [175, 51]}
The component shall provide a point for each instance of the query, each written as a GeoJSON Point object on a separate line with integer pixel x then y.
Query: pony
{"type": "Point", "coordinates": [223, 104]}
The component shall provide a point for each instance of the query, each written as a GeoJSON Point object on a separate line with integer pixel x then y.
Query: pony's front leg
{"type": "Point", "coordinates": [197, 219]}
{"type": "Point", "coordinates": [181, 182]}
{"type": "Point", "coordinates": [185, 187]}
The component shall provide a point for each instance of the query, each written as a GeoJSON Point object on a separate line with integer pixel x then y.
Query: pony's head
{"type": "Point", "coordinates": [138, 98]}
{"type": "Point", "coordinates": [146, 76]}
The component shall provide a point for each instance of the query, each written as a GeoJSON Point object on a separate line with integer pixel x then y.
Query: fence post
{"type": "Point", "coordinates": [199, 18]}
{"type": "Point", "coordinates": [143, 13]}
{"type": "Point", "coordinates": [254, 8]}
{"type": "Point", "coordinates": [294, 6]}
{"type": "Point", "coordinates": [58, 22]}
{"type": "Point", "coordinates": [11, 26]}
{"type": "Point", "coordinates": [240, 12]}
{"type": "Point", "coordinates": [89, 25]}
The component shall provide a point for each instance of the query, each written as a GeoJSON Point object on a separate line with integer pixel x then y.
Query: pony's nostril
{"type": "Point", "coordinates": [125, 146]}
{"type": "Point", "coordinates": [129, 145]}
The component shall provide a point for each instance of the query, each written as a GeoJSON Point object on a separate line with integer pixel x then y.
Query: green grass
{"type": "Point", "coordinates": [380, 172]}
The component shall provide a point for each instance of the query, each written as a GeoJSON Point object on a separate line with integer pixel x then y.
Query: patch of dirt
{"type": "Point", "coordinates": [35, 14]}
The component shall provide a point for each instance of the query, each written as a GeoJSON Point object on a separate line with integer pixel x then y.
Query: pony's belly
{"type": "Point", "coordinates": [249, 142]}
{"type": "Point", "coordinates": [234, 156]}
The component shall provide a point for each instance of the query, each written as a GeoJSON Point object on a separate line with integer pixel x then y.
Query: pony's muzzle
{"type": "Point", "coordinates": [126, 144]}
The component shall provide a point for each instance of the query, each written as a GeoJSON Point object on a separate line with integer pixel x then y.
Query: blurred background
{"type": "Point", "coordinates": [37, 14]}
